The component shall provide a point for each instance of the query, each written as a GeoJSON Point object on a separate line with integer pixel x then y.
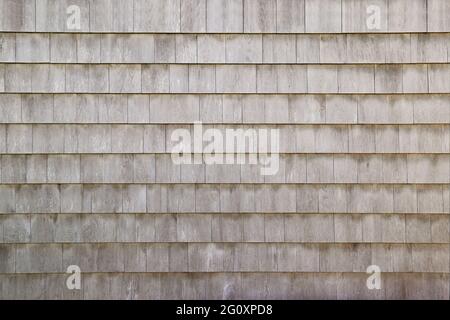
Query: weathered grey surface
{"type": "Point", "coordinates": [247, 16]}
{"type": "Point", "coordinates": [298, 168]}
{"type": "Point", "coordinates": [184, 48]}
{"type": "Point", "coordinates": [87, 179]}
{"type": "Point", "coordinates": [302, 138]}
{"type": "Point", "coordinates": [224, 78]}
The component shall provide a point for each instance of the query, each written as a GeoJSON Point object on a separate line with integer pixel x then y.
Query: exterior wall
{"type": "Point", "coordinates": [87, 179]}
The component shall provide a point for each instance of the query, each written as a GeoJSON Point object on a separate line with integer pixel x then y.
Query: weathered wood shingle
{"type": "Point", "coordinates": [87, 177]}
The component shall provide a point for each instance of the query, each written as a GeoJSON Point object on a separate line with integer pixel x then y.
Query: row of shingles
{"type": "Point", "coordinates": [240, 16]}
{"type": "Point", "coordinates": [124, 138]}
{"type": "Point", "coordinates": [224, 198]}
{"type": "Point", "coordinates": [225, 78]}
{"type": "Point", "coordinates": [207, 286]}
{"type": "Point", "coordinates": [236, 48]}
{"type": "Point", "coordinates": [224, 109]}
{"type": "Point", "coordinates": [290, 168]}
{"type": "Point", "coordinates": [225, 228]}
{"type": "Point", "coordinates": [225, 257]}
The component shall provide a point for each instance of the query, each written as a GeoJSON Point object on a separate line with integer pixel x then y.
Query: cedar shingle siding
{"type": "Point", "coordinates": [87, 178]}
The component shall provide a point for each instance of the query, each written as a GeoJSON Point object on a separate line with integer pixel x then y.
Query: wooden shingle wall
{"type": "Point", "coordinates": [86, 176]}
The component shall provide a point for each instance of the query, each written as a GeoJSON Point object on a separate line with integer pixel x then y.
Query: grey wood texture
{"type": "Point", "coordinates": [87, 179]}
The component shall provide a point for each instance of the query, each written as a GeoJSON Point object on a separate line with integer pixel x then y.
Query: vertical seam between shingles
{"type": "Point", "coordinates": [407, 169]}
{"type": "Point", "coordinates": [334, 227]}
{"type": "Point", "coordinates": [62, 257]}
{"type": "Point", "coordinates": [304, 15]}
{"type": "Point", "coordinates": [49, 48]}
{"type": "Point", "coordinates": [206, 16]}
{"type": "Point", "coordinates": [77, 58]}
{"type": "Point", "coordinates": [276, 16]}
{"type": "Point", "coordinates": [175, 45]}
{"type": "Point", "coordinates": [215, 78]}
{"type": "Point", "coordinates": [211, 224]}
{"type": "Point", "coordinates": [243, 16]}
{"type": "Point", "coordinates": [32, 137]}
{"type": "Point", "coordinates": [53, 107]}
{"type": "Point", "coordinates": [196, 49]}
{"type": "Point", "coordinates": [132, 27]}
{"type": "Point", "coordinates": [109, 78]}
{"type": "Point", "coordinates": [403, 78]}
{"type": "Point", "coordinates": [417, 199]}
{"type": "Point", "coordinates": [387, 16]}
{"type": "Point", "coordinates": [15, 257]}
{"type": "Point", "coordinates": [406, 228]}
{"type": "Point", "coordinates": [47, 179]}
{"type": "Point", "coordinates": [89, 15]}
{"type": "Point", "coordinates": [296, 49]}
{"type": "Point", "coordinates": [29, 225]}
